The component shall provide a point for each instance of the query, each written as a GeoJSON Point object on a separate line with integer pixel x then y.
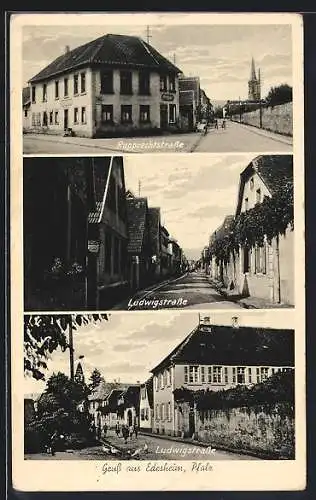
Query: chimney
{"type": "Point", "coordinates": [67, 49]}
{"type": "Point", "coordinates": [235, 322]}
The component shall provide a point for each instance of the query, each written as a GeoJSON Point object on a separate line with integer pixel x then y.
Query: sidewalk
{"type": "Point", "coordinates": [246, 302]}
{"type": "Point", "coordinates": [267, 133]}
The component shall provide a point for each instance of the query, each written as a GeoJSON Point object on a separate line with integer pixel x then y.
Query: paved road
{"type": "Point", "coordinates": [235, 138]}
{"type": "Point", "coordinates": [156, 449]}
{"type": "Point", "coordinates": [190, 291]}
{"type": "Point", "coordinates": [242, 138]}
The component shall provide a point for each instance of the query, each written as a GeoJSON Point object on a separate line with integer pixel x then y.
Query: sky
{"type": "Point", "coordinates": [219, 54]}
{"type": "Point", "coordinates": [129, 345]}
{"type": "Point", "coordinates": [195, 192]}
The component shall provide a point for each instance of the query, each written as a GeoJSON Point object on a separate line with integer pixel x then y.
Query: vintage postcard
{"type": "Point", "coordinates": [157, 300]}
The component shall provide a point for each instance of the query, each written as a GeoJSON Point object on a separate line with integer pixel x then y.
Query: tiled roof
{"type": "Point", "coordinates": [227, 345]}
{"type": "Point", "coordinates": [274, 170]}
{"type": "Point", "coordinates": [102, 391]}
{"type": "Point", "coordinates": [137, 217]}
{"type": "Point", "coordinates": [111, 50]}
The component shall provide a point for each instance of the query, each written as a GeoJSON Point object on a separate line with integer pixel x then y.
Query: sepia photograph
{"type": "Point", "coordinates": [131, 233]}
{"type": "Point", "coordinates": [171, 387]}
{"type": "Point", "coordinates": [157, 88]}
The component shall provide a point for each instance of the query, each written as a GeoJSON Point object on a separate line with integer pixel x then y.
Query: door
{"type": "Point", "coordinates": [65, 119]}
{"type": "Point", "coordinates": [129, 418]}
{"type": "Point", "coordinates": [191, 422]}
{"type": "Point", "coordinates": [163, 116]}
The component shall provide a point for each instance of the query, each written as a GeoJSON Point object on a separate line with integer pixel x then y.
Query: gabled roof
{"type": "Point", "coordinates": [274, 170]}
{"type": "Point", "coordinates": [101, 174]}
{"type": "Point", "coordinates": [222, 230]}
{"type": "Point", "coordinates": [137, 218]}
{"type": "Point", "coordinates": [111, 50]}
{"type": "Point", "coordinates": [102, 391]}
{"type": "Point", "coordinates": [228, 345]}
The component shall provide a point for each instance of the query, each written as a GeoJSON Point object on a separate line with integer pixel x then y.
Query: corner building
{"type": "Point", "coordinates": [112, 86]}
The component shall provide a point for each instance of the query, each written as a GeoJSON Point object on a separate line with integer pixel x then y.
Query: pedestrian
{"type": "Point", "coordinates": [53, 442]}
{"type": "Point", "coordinates": [224, 123]}
{"type": "Point", "coordinates": [125, 433]}
{"type": "Point", "coordinates": [135, 429]}
{"type": "Point", "coordinates": [117, 429]}
{"type": "Point", "coordinates": [216, 124]}
{"type": "Point", "coordinates": [105, 429]}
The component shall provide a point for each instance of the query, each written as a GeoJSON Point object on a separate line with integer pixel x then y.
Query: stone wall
{"type": "Point", "coordinates": [277, 119]}
{"type": "Point", "coordinates": [263, 430]}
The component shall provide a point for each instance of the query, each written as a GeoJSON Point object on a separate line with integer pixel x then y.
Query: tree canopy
{"type": "Point", "coordinates": [43, 334]}
{"type": "Point", "coordinates": [95, 379]}
{"type": "Point", "coordinates": [279, 95]}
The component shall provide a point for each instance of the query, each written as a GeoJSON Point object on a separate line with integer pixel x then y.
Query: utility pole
{"type": "Point", "coordinates": [148, 35]}
{"type": "Point", "coordinates": [71, 350]}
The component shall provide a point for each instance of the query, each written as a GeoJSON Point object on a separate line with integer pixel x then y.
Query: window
{"type": "Point", "coordinates": [234, 375]}
{"type": "Point", "coordinates": [217, 374]}
{"type": "Point", "coordinates": [126, 82]}
{"type": "Point", "coordinates": [186, 374]}
{"type": "Point", "coordinates": [172, 113]}
{"type": "Point", "coordinates": [157, 412]}
{"type": "Point", "coordinates": [273, 371]}
{"type": "Point", "coordinates": [107, 82]}
{"type": "Point", "coordinates": [193, 374]}
{"type": "Point", "coordinates": [163, 411]}
{"type": "Point", "coordinates": [161, 381]}
{"type": "Point", "coordinates": [65, 87]}
{"type": "Point", "coordinates": [51, 117]}
{"type": "Point", "coordinates": [226, 374]}
{"type": "Point", "coordinates": [241, 375]}
{"type": "Point", "coordinates": [44, 119]}
{"type": "Point", "coordinates": [249, 376]}
{"type": "Point", "coordinates": [107, 253]}
{"type": "Point", "coordinates": [144, 114]}
{"type": "Point", "coordinates": [156, 383]}
{"type": "Point", "coordinates": [33, 119]}
{"type": "Point", "coordinates": [172, 83]}
{"type": "Point", "coordinates": [33, 94]}
{"type": "Point", "coordinates": [258, 195]}
{"type": "Point", "coordinates": [169, 411]}
{"type": "Point", "coordinates": [144, 83]}
{"type": "Point", "coordinates": [252, 183]}
{"type": "Point", "coordinates": [246, 203]}
{"type": "Point", "coordinates": [76, 115]}
{"type": "Point", "coordinates": [209, 375]}
{"type": "Point", "coordinates": [44, 92]}
{"type": "Point", "coordinates": [203, 374]}
{"type": "Point", "coordinates": [169, 376]}
{"type": "Point", "coordinates": [25, 113]}
{"type": "Point", "coordinates": [165, 378]}
{"type": "Point", "coordinates": [260, 259]}
{"type": "Point", "coordinates": [83, 82]}
{"type": "Point", "coordinates": [142, 414]}
{"type": "Point", "coordinates": [57, 89]}
{"type": "Point", "coordinates": [126, 114]}
{"type": "Point", "coordinates": [163, 83]}
{"type": "Point", "coordinates": [264, 373]}
{"type": "Point", "coordinates": [258, 375]}
{"type": "Point", "coordinates": [76, 80]}
{"type": "Point", "coordinates": [83, 115]}
{"type": "Point", "coordinates": [107, 113]}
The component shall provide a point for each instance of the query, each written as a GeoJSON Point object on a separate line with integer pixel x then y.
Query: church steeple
{"type": "Point", "coordinates": [254, 84]}
{"type": "Point", "coordinates": [79, 375]}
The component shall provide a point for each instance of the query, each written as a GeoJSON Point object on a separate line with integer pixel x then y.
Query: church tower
{"type": "Point", "coordinates": [79, 375]}
{"type": "Point", "coordinates": [254, 84]}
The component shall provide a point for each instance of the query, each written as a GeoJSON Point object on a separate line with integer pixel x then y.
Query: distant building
{"type": "Point", "coordinates": [189, 101]}
{"type": "Point", "coordinates": [254, 83]}
{"type": "Point", "coordinates": [79, 375]}
{"type": "Point", "coordinates": [111, 86]}
{"type": "Point", "coordinates": [146, 405]}
{"type": "Point", "coordinates": [155, 241]}
{"type": "Point", "coordinates": [128, 406]}
{"type": "Point", "coordinates": [26, 98]}
{"type": "Point", "coordinates": [215, 357]}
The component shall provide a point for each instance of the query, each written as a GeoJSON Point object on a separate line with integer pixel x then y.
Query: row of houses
{"type": "Point", "coordinates": [211, 357]}
{"type": "Point", "coordinates": [262, 269]}
{"type": "Point", "coordinates": [87, 240]}
{"type": "Point", "coordinates": [112, 86]}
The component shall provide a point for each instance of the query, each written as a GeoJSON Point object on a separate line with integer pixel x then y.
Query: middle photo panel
{"type": "Point", "coordinates": [151, 232]}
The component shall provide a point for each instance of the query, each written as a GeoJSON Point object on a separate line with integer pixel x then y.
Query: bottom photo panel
{"type": "Point", "coordinates": [159, 387]}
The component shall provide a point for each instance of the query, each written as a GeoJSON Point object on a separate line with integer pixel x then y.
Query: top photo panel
{"type": "Point", "coordinates": [149, 88]}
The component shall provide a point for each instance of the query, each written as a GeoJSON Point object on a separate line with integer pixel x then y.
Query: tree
{"type": "Point", "coordinates": [95, 379]}
{"type": "Point", "coordinates": [58, 411]}
{"type": "Point", "coordinates": [279, 95]}
{"type": "Point", "coordinates": [43, 334]}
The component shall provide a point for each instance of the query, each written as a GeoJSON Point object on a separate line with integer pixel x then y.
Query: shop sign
{"type": "Point", "coordinates": [167, 97]}
{"type": "Point", "coordinates": [93, 246]}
